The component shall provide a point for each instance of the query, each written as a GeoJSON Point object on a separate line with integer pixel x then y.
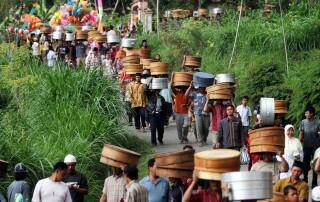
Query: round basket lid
{"type": "Point", "coordinates": [208, 175]}
{"type": "Point", "coordinates": [217, 154]}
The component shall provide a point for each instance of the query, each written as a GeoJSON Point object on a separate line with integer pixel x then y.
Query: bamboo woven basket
{"type": "Point", "coordinates": [175, 158]}
{"type": "Point", "coordinates": [281, 106]}
{"type": "Point", "coordinates": [191, 61]}
{"type": "Point", "coordinates": [212, 163]}
{"type": "Point", "coordinates": [158, 68]}
{"type": "Point", "coordinates": [268, 139]}
{"type": "Point", "coordinates": [181, 78]}
{"type": "Point", "coordinates": [115, 156]}
{"type": "Point", "coordinates": [133, 68]}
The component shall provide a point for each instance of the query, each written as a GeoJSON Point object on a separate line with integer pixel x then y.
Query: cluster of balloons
{"type": "Point", "coordinates": [31, 22]}
{"type": "Point", "coordinates": [75, 12]}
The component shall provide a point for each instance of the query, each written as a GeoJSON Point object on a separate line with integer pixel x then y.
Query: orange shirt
{"type": "Point", "coordinates": [138, 96]}
{"type": "Point", "coordinates": [181, 103]}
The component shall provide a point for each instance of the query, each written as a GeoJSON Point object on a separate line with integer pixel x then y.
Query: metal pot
{"type": "Point", "coordinates": [225, 78]}
{"type": "Point", "coordinates": [267, 111]}
{"type": "Point", "coordinates": [128, 43]}
{"type": "Point", "coordinates": [167, 14]}
{"type": "Point", "coordinates": [113, 39]}
{"type": "Point", "coordinates": [217, 11]}
{"type": "Point", "coordinates": [195, 14]}
{"type": "Point", "coordinates": [249, 185]}
{"type": "Point", "coordinates": [202, 79]}
{"type": "Point", "coordinates": [69, 36]}
{"type": "Point", "coordinates": [159, 83]}
{"type": "Point", "coordinates": [57, 35]}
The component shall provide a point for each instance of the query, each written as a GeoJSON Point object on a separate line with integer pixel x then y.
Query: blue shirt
{"type": "Point", "coordinates": [199, 100]}
{"type": "Point", "coordinates": [157, 192]}
{"type": "Point", "coordinates": [167, 94]}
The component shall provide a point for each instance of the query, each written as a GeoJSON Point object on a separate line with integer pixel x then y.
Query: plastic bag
{"type": "Point", "coordinates": [244, 156]}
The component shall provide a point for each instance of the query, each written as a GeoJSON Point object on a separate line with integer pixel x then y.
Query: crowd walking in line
{"type": "Point", "coordinates": [150, 108]}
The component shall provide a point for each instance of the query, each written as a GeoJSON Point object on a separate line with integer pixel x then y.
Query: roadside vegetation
{"type": "Point", "coordinates": [46, 114]}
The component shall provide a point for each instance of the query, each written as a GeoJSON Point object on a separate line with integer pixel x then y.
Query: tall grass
{"type": "Point", "coordinates": [51, 113]}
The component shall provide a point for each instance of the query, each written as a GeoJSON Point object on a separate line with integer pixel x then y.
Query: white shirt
{"type": "Point", "coordinates": [35, 49]}
{"type": "Point", "coordinates": [47, 190]}
{"type": "Point", "coordinates": [245, 113]}
{"type": "Point", "coordinates": [51, 57]}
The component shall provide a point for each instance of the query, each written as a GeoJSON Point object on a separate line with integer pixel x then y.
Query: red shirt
{"type": "Point", "coordinates": [181, 103]}
{"type": "Point", "coordinates": [205, 196]}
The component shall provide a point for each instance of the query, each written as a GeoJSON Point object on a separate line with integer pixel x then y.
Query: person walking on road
{"type": "Point", "coordinates": [114, 186]}
{"type": "Point", "coordinates": [138, 102]}
{"type": "Point", "coordinates": [158, 187]}
{"type": "Point", "coordinates": [181, 113]}
{"type": "Point", "coordinates": [19, 189]}
{"type": "Point", "coordinates": [229, 132]}
{"type": "Point", "coordinates": [52, 188]}
{"type": "Point", "coordinates": [245, 113]}
{"type": "Point", "coordinates": [202, 118]}
{"type": "Point", "coordinates": [76, 181]}
{"type": "Point", "coordinates": [156, 108]}
{"type": "Point", "coordinates": [309, 136]}
{"type": "Point", "coordinates": [135, 191]}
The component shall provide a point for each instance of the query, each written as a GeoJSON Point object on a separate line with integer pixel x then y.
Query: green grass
{"type": "Point", "coordinates": [50, 113]}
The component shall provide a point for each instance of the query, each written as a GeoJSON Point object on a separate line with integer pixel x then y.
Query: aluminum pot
{"type": "Point", "coordinates": [225, 78]}
{"type": "Point", "coordinates": [195, 14]}
{"type": "Point", "coordinates": [202, 79]}
{"type": "Point", "coordinates": [128, 43]}
{"type": "Point", "coordinates": [57, 35]}
{"type": "Point", "coordinates": [113, 39]}
{"type": "Point", "coordinates": [249, 185]}
{"type": "Point", "coordinates": [267, 111]}
{"type": "Point", "coordinates": [217, 11]}
{"type": "Point", "coordinates": [69, 36]}
{"type": "Point", "coordinates": [159, 83]}
{"type": "Point", "coordinates": [167, 14]}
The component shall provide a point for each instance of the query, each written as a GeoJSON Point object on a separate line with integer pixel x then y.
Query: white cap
{"type": "Point", "coordinates": [316, 193]}
{"type": "Point", "coordinates": [70, 159]}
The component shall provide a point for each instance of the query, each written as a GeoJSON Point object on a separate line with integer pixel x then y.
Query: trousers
{"type": "Point", "coordinates": [139, 114]}
{"type": "Point", "coordinates": [244, 134]}
{"type": "Point", "coordinates": [308, 155]}
{"type": "Point", "coordinates": [202, 127]}
{"type": "Point", "coordinates": [156, 125]}
{"type": "Point", "coordinates": [182, 121]}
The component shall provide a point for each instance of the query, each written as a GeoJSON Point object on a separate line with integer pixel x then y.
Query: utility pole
{"type": "Point", "coordinates": [158, 17]}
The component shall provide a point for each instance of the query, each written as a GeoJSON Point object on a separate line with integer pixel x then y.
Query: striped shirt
{"type": "Point", "coordinates": [136, 192]}
{"type": "Point", "coordinates": [114, 188]}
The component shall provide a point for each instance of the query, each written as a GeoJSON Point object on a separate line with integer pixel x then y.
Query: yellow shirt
{"type": "Point", "coordinates": [301, 186]}
{"type": "Point", "coordinates": [137, 94]}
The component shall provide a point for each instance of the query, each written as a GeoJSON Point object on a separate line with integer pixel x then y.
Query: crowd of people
{"type": "Point", "coordinates": [151, 110]}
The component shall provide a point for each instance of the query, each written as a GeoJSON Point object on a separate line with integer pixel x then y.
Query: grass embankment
{"type": "Point", "coordinates": [46, 114]}
{"type": "Point", "coordinates": [259, 60]}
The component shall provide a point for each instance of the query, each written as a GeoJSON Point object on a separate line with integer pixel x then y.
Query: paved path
{"type": "Point", "coordinates": [171, 141]}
